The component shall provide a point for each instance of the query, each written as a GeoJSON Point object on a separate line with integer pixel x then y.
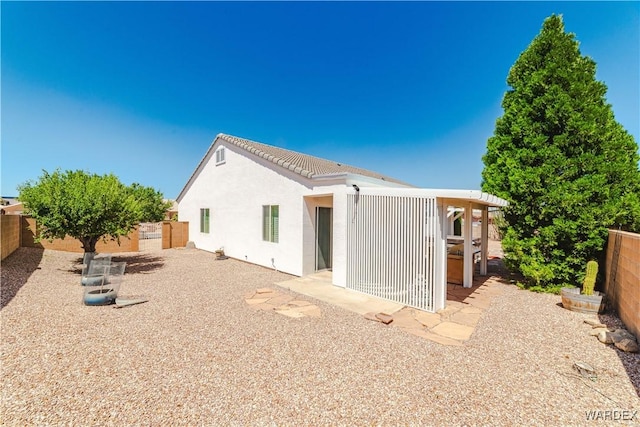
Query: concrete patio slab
{"type": "Point", "coordinates": [319, 286]}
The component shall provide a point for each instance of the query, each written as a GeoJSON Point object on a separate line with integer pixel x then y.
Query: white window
{"type": "Point", "coordinates": [270, 223]}
{"type": "Point", "coordinates": [220, 157]}
{"type": "Point", "coordinates": [204, 220]}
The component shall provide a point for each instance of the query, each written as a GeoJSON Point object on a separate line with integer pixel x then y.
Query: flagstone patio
{"type": "Point", "coordinates": [452, 325]}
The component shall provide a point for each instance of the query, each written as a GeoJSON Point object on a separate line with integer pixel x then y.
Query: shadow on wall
{"type": "Point", "coordinates": [136, 263]}
{"type": "Point", "coordinates": [16, 270]}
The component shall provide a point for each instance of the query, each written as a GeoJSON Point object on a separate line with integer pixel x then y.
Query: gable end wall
{"type": "Point", "coordinates": [235, 193]}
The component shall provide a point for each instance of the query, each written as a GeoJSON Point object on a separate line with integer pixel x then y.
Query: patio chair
{"type": "Point", "coordinates": [105, 280]}
{"type": "Point", "coordinates": [88, 259]}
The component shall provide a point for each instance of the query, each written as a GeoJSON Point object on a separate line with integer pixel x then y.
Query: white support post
{"type": "Point", "coordinates": [440, 258]}
{"type": "Point", "coordinates": [484, 236]}
{"type": "Point", "coordinates": [467, 278]}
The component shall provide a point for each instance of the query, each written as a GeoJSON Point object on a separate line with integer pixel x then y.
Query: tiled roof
{"type": "Point", "coordinates": [302, 164]}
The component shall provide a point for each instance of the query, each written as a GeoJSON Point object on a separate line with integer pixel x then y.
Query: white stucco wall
{"type": "Point", "coordinates": [235, 193]}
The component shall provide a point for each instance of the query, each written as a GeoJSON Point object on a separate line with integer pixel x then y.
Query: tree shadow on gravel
{"type": "Point", "coordinates": [136, 264]}
{"type": "Point", "coordinates": [16, 270]}
{"type": "Point", "coordinates": [142, 263]}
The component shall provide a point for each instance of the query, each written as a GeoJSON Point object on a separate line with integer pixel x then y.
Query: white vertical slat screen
{"type": "Point", "coordinates": [391, 248]}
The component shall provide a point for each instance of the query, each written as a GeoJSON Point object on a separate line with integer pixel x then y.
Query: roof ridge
{"type": "Point", "coordinates": [304, 165]}
{"type": "Point", "coordinates": [306, 169]}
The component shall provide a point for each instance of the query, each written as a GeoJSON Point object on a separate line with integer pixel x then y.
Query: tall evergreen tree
{"type": "Point", "coordinates": [567, 168]}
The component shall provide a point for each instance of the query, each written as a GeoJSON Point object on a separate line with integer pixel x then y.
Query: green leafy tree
{"type": "Point", "coordinates": [152, 206]}
{"type": "Point", "coordinates": [567, 168]}
{"type": "Point", "coordinates": [85, 206]}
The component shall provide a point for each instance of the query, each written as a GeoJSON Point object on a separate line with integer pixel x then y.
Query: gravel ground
{"type": "Point", "coordinates": [197, 354]}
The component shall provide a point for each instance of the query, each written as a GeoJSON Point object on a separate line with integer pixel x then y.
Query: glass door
{"type": "Point", "coordinates": [324, 219]}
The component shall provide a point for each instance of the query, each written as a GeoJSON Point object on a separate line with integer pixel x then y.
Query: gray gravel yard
{"type": "Point", "coordinates": [197, 354]}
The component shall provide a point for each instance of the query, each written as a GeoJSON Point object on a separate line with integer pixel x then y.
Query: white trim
{"type": "Point", "coordinates": [475, 196]}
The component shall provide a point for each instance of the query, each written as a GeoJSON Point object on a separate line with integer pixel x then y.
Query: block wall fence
{"type": "Point", "coordinates": [68, 244]}
{"type": "Point", "coordinates": [622, 272]}
{"type": "Point", "coordinates": [9, 234]}
{"type": "Point", "coordinates": [175, 234]}
{"type": "Point", "coordinates": [19, 231]}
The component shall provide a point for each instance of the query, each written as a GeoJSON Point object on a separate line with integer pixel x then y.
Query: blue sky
{"type": "Point", "coordinates": [411, 90]}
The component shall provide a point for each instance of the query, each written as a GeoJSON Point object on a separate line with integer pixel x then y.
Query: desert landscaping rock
{"type": "Point", "coordinates": [585, 370]}
{"type": "Point", "coordinates": [595, 332]}
{"type": "Point", "coordinates": [622, 334]}
{"type": "Point", "coordinates": [197, 354]}
{"type": "Point", "coordinates": [594, 323]}
{"type": "Point", "coordinates": [620, 337]}
{"type": "Point", "coordinates": [384, 318]}
{"type": "Point", "coordinates": [627, 344]}
{"type": "Point", "coordinates": [371, 316]}
{"type": "Point", "coordinates": [605, 337]}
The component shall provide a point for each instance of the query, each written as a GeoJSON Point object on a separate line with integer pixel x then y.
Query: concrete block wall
{"type": "Point", "coordinates": [175, 234]}
{"type": "Point", "coordinates": [9, 234]}
{"type": "Point", "coordinates": [622, 271]}
{"type": "Point", "coordinates": [128, 243]}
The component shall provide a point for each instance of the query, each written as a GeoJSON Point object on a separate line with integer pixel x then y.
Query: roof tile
{"type": "Point", "coordinates": [302, 164]}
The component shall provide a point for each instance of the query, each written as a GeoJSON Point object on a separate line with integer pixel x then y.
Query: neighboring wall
{"type": "Point", "coordinates": [175, 234]}
{"type": "Point", "coordinates": [623, 277]}
{"type": "Point", "coordinates": [127, 244]}
{"type": "Point", "coordinates": [9, 234]}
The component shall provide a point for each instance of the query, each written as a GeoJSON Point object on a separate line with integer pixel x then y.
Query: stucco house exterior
{"type": "Point", "coordinates": [300, 214]}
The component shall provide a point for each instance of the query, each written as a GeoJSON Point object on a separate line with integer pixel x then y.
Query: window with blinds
{"type": "Point", "coordinates": [270, 223]}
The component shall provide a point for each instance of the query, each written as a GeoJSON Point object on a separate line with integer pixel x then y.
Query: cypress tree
{"type": "Point", "coordinates": [568, 169]}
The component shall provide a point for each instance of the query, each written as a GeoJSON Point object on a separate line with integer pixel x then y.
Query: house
{"type": "Point", "coordinates": [11, 206]}
{"type": "Point", "coordinates": [300, 214]}
{"type": "Point", "coordinates": [172, 212]}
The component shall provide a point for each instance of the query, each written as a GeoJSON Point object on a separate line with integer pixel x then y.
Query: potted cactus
{"type": "Point", "coordinates": [589, 301]}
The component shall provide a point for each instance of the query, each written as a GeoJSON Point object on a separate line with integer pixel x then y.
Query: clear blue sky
{"type": "Point", "coordinates": [411, 90]}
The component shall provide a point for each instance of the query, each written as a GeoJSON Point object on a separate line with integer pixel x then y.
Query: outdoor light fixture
{"type": "Point", "coordinates": [355, 187]}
